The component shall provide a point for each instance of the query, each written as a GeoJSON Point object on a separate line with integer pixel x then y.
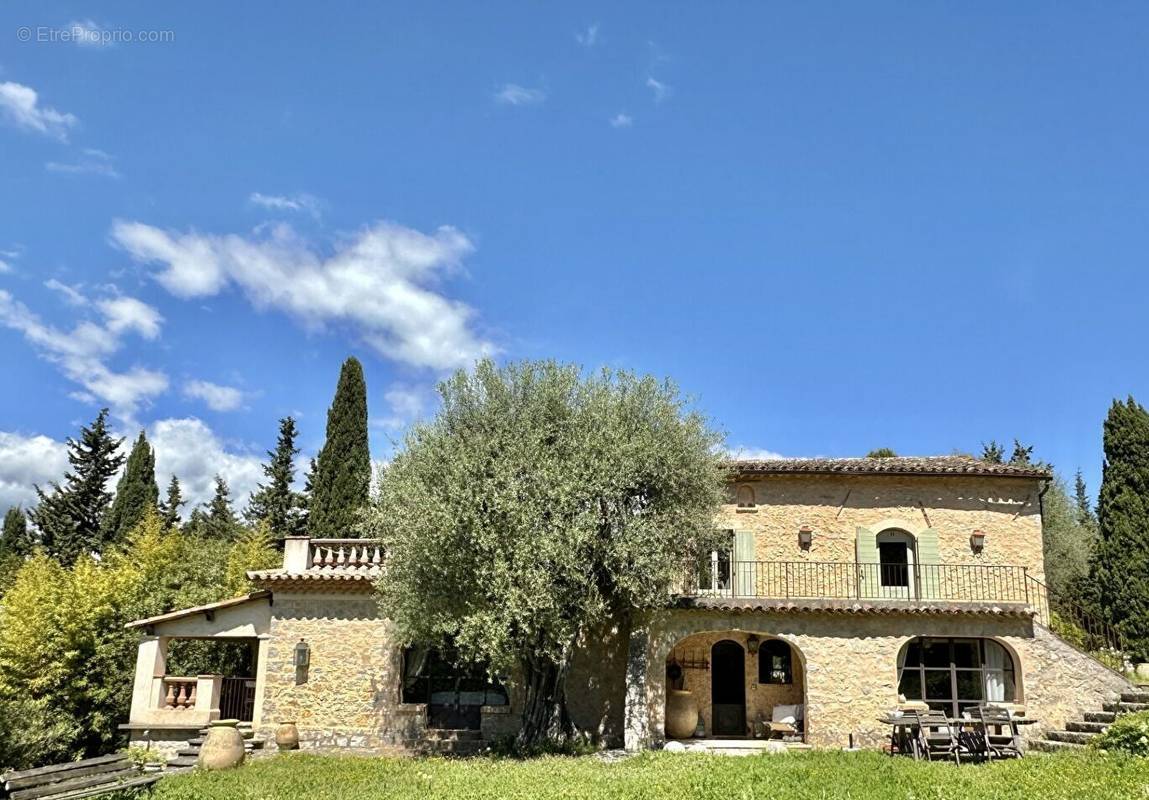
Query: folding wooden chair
{"type": "Point", "coordinates": [998, 732]}
{"type": "Point", "coordinates": [937, 736]}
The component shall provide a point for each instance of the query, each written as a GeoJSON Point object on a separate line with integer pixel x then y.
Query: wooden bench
{"type": "Point", "coordinates": [88, 778]}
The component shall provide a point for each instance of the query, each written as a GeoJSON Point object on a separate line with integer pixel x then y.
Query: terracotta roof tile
{"type": "Point", "coordinates": [899, 465]}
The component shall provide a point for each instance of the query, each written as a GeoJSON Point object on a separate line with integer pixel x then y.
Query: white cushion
{"type": "Point", "coordinates": [790, 714]}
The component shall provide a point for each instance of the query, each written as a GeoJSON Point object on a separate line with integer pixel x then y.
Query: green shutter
{"type": "Point", "coordinates": [929, 577]}
{"type": "Point", "coordinates": [866, 548]}
{"type": "Point", "coordinates": [744, 566]}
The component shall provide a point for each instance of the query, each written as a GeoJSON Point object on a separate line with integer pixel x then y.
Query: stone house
{"type": "Point", "coordinates": [849, 586]}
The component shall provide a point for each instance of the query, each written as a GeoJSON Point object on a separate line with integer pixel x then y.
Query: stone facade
{"type": "Point", "coordinates": [1008, 510]}
{"type": "Point", "coordinates": [850, 666]}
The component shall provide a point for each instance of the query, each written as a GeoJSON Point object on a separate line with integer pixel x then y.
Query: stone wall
{"type": "Point", "coordinates": [851, 667]}
{"type": "Point", "coordinates": [1008, 510]}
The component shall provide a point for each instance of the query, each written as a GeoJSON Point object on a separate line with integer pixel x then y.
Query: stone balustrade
{"type": "Point", "coordinates": [344, 554]}
{"type": "Point", "coordinates": [179, 694]}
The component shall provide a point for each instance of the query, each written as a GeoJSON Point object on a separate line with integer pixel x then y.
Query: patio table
{"type": "Point", "coordinates": [903, 734]}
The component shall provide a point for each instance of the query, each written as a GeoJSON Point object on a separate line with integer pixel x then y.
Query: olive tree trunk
{"type": "Point", "coordinates": [545, 717]}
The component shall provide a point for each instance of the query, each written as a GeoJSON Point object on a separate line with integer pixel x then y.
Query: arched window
{"type": "Point", "coordinates": [745, 496]}
{"type": "Point", "coordinates": [775, 662]}
{"type": "Point", "coordinates": [953, 675]}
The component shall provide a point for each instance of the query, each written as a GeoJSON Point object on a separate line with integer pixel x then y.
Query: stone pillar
{"type": "Point", "coordinates": [636, 734]}
{"type": "Point", "coordinates": [295, 552]}
{"type": "Point", "coordinates": [151, 664]}
{"type": "Point", "coordinates": [262, 649]}
{"type": "Point", "coordinates": [207, 692]}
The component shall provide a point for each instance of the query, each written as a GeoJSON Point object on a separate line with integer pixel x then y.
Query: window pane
{"type": "Point", "coordinates": [966, 653]}
{"type": "Point", "coordinates": [969, 684]}
{"type": "Point", "coordinates": [911, 684]}
{"type": "Point", "coordinates": [936, 652]}
{"type": "Point", "coordinates": [914, 654]}
{"type": "Point", "coordinates": [938, 686]}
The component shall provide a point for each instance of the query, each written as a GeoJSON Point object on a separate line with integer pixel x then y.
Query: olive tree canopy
{"type": "Point", "coordinates": [539, 504]}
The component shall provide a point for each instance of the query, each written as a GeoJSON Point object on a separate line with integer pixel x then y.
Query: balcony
{"type": "Point", "coordinates": [851, 581]}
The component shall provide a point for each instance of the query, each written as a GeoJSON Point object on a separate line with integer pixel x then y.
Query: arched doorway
{"type": "Point", "coordinates": [728, 688]}
{"type": "Point", "coordinates": [896, 557]}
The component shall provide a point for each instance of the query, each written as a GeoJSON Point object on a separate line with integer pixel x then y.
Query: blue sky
{"type": "Point", "coordinates": [914, 225]}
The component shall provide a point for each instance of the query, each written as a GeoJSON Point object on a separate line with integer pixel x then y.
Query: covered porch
{"type": "Point", "coordinates": [169, 704]}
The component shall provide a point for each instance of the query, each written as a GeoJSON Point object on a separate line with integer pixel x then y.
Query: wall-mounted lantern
{"type": "Point", "coordinates": [805, 537]}
{"type": "Point", "coordinates": [752, 644]}
{"type": "Point", "coordinates": [302, 658]}
{"type": "Point", "coordinates": [977, 541]}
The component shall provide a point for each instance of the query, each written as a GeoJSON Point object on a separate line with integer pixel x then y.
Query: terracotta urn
{"type": "Point", "coordinates": [223, 747]}
{"type": "Point", "coordinates": [681, 714]}
{"type": "Point", "coordinates": [287, 736]}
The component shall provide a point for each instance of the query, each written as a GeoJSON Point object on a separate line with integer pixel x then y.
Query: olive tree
{"type": "Point", "coordinates": [539, 504]}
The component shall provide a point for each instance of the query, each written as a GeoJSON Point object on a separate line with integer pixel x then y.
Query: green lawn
{"type": "Point", "coordinates": [679, 776]}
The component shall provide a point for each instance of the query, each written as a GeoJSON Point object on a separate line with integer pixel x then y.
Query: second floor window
{"type": "Point", "coordinates": [714, 573]}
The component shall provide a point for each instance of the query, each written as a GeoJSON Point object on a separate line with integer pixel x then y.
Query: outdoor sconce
{"type": "Point", "coordinates": [805, 537]}
{"type": "Point", "coordinates": [302, 658]}
{"type": "Point", "coordinates": [752, 644]}
{"type": "Point", "coordinates": [977, 541]}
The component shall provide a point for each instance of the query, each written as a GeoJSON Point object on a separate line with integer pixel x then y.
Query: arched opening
{"type": "Point", "coordinates": [954, 674]}
{"type": "Point", "coordinates": [744, 684]}
{"type": "Point", "coordinates": [896, 558]}
{"type": "Point", "coordinates": [728, 688]}
{"type": "Point", "coordinates": [745, 496]}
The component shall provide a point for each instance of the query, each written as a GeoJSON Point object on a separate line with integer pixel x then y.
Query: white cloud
{"type": "Point", "coordinates": [190, 450]}
{"type": "Point", "coordinates": [514, 95]}
{"type": "Point", "coordinates": [406, 404]}
{"type": "Point", "coordinates": [297, 202]}
{"type": "Point", "coordinates": [20, 105]}
{"type": "Point", "coordinates": [90, 162]}
{"type": "Point", "coordinates": [375, 281]}
{"type": "Point", "coordinates": [89, 34]}
{"type": "Point", "coordinates": [26, 461]}
{"type": "Point", "coordinates": [215, 396]}
{"type": "Point", "coordinates": [660, 89]}
{"type": "Point", "coordinates": [71, 294]}
{"type": "Point", "coordinates": [83, 352]}
{"type": "Point", "coordinates": [589, 37]}
{"type": "Point", "coordinates": [755, 454]}
{"type": "Point", "coordinates": [621, 120]}
{"type": "Point", "coordinates": [5, 267]}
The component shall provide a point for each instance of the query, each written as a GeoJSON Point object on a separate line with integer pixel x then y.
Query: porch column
{"type": "Point", "coordinates": [636, 734]}
{"type": "Point", "coordinates": [262, 648]}
{"type": "Point", "coordinates": [151, 663]}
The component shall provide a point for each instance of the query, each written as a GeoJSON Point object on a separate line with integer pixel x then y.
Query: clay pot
{"type": "Point", "coordinates": [287, 736]}
{"type": "Point", "coordinates": [223, 747]}
{"type": "Point", "coordinates": [681, 714]}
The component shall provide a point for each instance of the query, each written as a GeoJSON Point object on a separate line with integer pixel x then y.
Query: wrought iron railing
{"type": "Point", "coordinates": [848, 580]}
{"type": "Point", "coordinates": [1085, 631]}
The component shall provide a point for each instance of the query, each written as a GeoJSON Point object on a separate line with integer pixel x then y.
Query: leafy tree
{"type": "Point", "coordinates": [70, 517]}
{"type": "Point", "coordinates": [170, 506]}
{"type": "Point", "coordinates": [993, 452]}
{"type": "Point", "coordinates": [1067, 543]}
{"type": "Point", "coordinates": [136, 493]}
{"type": "Point", "coordinates": [253, 550]}
{"type": "Point", "coordinates": [882, 452]}
{"type": "Point", "coordinates": [275, 502]}
{"type": "Point", "coordinates": [17, 539]}
{"type": "Point", "coordinates": [220, 521]}
{"type": "Point", "coordinates": [343, 468]}
{"type": "Point", "coordinates": [1120, 565]}
{"type": "Point", "coordinates": [537, 506]}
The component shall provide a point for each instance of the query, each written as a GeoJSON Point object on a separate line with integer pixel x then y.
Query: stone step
{"type": "Point", "coordinates": [1135, 697]}
{"type": "Point", "coordinates": [182, 761]}
{"type": "Point", "coordinates": [1050, 746]}
{"type": "Point", "coordinates": [1125, 708]}
{"type": "Point", "coordinates": [1087, 727]}
{"type": "Point", "coordinates": [1108, 717]}
{"type": "Point", "coordinates": [1070, 737]}
{"type": "Point", "coordinates": [453, 735]}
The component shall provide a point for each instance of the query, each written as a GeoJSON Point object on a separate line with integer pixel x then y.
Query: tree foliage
{"type": "Point", "coordinates": [342, 475]}
{"type": "Point", "coordinates": [275, 502]}
{"type": "Point", "coordinates": [218, 522]}
{"type": "Point", "coordinates": [136, 492]}
{"type": "Point", "coordinates": [1120, 566]}
{"type": "Point", "coordinates": [170, 506]}
{"type": "Point", "coordinates": [1067, 542]}
{"type": "Point", "coordinates": [882, 452]}
{"type": "Point", "coordinates": [16, 538]}
{"type": "Point", "coordinates": [70, 517]}
{"type": "Point", "coordinates": [538, 505]}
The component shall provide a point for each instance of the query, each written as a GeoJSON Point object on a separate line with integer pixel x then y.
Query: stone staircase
{"type": "Point", "coordinates": [186, 758]}
{"type": "Point", "coordinates": [1078, 733]}
{"type": "Point", "coordinates": [452, 742]}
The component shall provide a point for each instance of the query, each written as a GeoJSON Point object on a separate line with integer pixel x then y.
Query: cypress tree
{"type": "Point", "coordinates": [136, 493]}
{"type": "Point", "coordinates": [70, 517]}
{"type": "Point", "coordinates": [1085, 515]}
{"type": "Point", "coordinates": [170, 507]}
{"type": "Point", "coordinates": [220, 522]}
{"type": "Point", "coordinates": [275, 502]}
{"type": "Point", "coordinates": [993, 452]}
{"type": "Point", "coordinates": [16, 539]}
{"type": "Point", "coordinates": [1120, 565]}
{"type": "Point", "coordinates": [342, 477]}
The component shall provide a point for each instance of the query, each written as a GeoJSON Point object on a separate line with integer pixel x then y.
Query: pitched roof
{"type": "Point", "coordinates": [898, 465]}
{"type": "Point", "coordinates": [204, 609]}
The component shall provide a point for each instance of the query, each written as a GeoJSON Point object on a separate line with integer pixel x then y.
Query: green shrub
{"type": "Point", "coordinates": [1129, 734]}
